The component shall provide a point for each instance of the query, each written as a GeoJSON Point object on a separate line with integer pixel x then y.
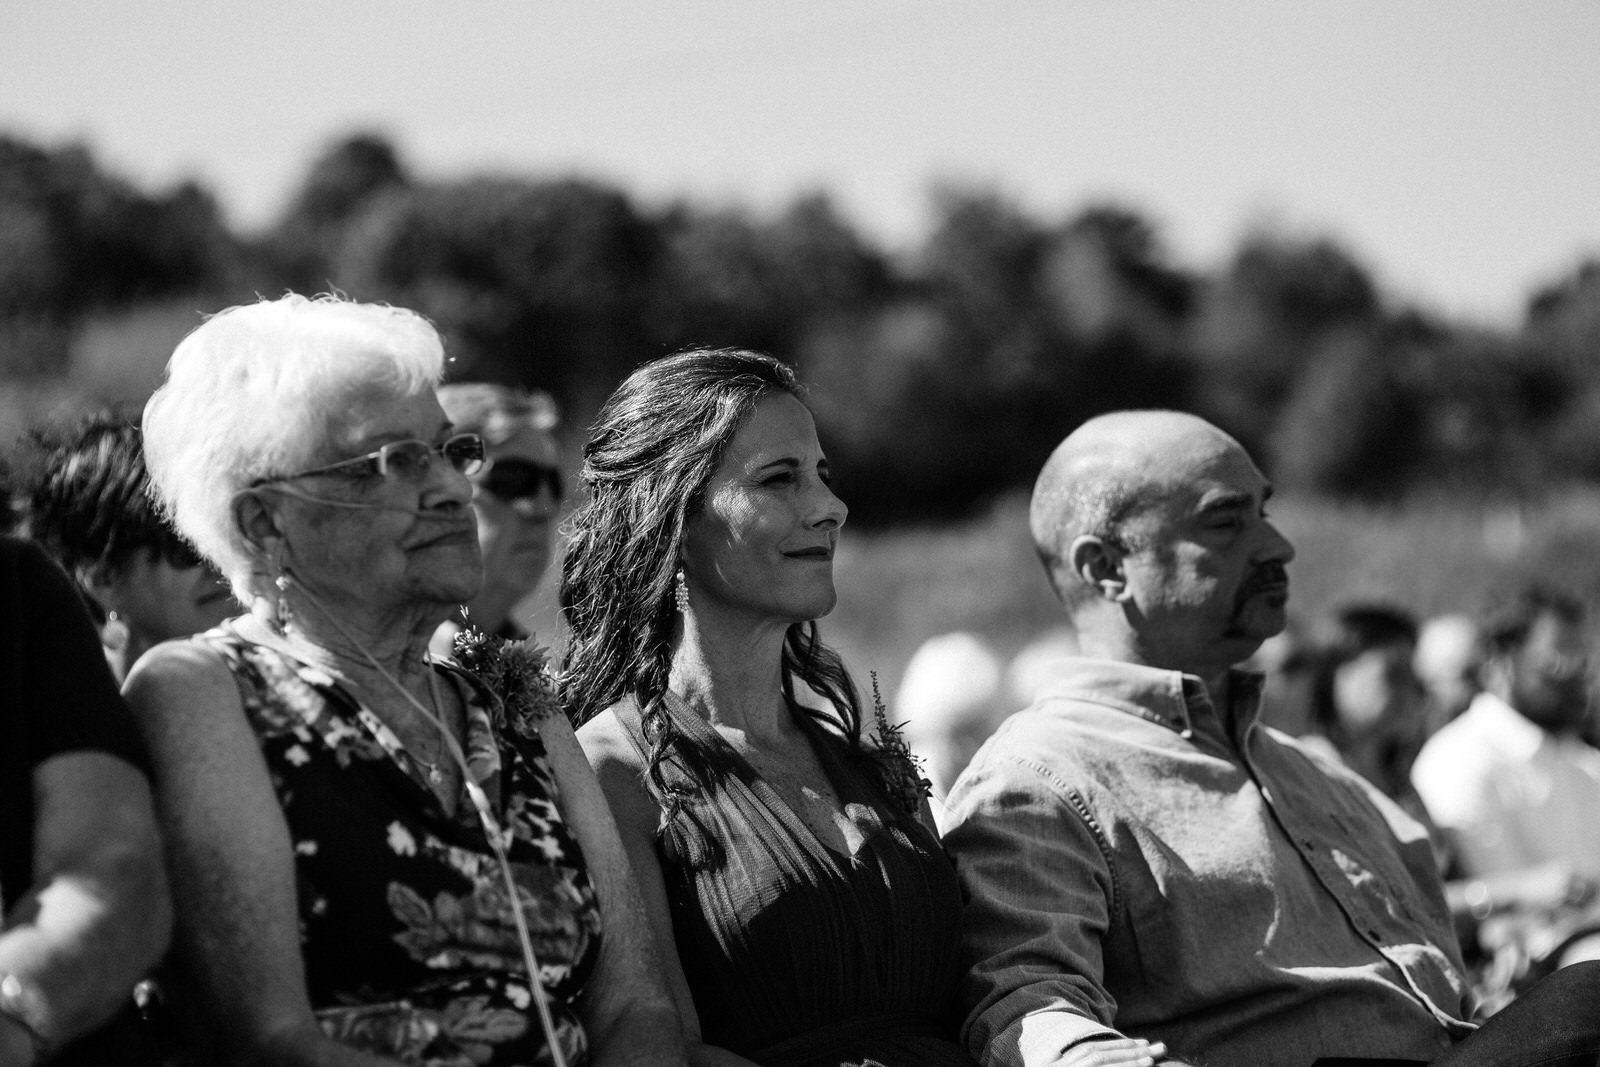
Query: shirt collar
{"type": "Point", "coordinates": [1172, 699]}
{"type": "Point", "coordinates": [1514, 733]}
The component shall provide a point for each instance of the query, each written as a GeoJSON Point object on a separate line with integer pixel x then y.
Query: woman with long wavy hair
{"type": "Point", "coordinates": [806, 912]}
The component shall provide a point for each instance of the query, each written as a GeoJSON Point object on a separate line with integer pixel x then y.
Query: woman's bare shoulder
{"type": "Point", "coordinates": [607, 742]}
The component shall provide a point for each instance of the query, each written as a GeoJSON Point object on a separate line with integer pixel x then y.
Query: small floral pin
{"type": "Point", "coordinates": [518, 672]}
{"type": "Point", "coordinates": [901, 768]}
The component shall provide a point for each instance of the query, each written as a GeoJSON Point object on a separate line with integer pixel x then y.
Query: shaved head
{"type": "Point", "coordinates": [1106, 475]}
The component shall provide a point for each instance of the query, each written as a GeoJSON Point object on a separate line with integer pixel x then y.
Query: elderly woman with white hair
{"type": "Point", "coordinates": [372, 863]}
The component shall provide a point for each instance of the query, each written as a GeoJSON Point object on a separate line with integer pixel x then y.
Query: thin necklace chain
{"type": "Point", "coordinates": [431, 766]}
{"type": "Point", "coordinates": [492, 830]}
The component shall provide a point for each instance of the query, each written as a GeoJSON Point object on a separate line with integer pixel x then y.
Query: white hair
{"type": "Point", "coordinates": [252, 392]}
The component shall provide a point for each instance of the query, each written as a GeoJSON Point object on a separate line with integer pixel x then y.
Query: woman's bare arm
{"type": "Point", "coordinates": [97, 915]}
{"type": "Point", "coordinates": [231, 864]}
{"type": "Point", "coordinates": [618, 770]}
{"type": "Point", "coordinates": [628, 1012]}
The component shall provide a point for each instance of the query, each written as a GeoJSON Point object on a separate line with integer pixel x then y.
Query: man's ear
{"type": "Point", "coordinates": [257, 521]}
{"type": "Point", "coordinates": [1098, 563]}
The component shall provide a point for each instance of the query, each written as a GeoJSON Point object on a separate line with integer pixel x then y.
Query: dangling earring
{"type": "Point", "coordinates": [680, 592]}
{"type": "Point", "coordinates": [114, 634]}
{"type": "Point", "coordinates": [283, 614]}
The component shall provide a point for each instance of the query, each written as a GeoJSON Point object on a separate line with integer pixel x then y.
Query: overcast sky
{"type": "Point", "coordinates": [1454, 147]}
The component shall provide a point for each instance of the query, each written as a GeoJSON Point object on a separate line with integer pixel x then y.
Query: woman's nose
{"type": "Point", "coordinates": [831, 511]}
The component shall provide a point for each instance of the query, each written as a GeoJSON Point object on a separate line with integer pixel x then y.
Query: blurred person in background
{"type": "Point", "coordinates": [1513, 785]}
{"type": "Point", "coordinates": [1367, 707]}
{"type": "Point", "coordinates": [949, 701]}
{"type": "Point", "coordinates": [791, 868]}
{"type": "Point", "coordinates": [516, 496]}
{"type": "Point", "coordinates": [365, 844]}
{"type": "Point", "coordinates": [86, 909]}
{"type": "Point", "coordinates": [1510, 779]}
{"type": "Point", "coordinates": [86, 502]}
{"type": "Point", "coordinates": [1449, 660]}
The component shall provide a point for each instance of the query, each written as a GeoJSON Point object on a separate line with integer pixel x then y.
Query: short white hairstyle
{"type": "Point", "coordinates": [252, 392]}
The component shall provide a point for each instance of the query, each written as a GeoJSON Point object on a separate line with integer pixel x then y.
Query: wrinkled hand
{"type": "Point", "coordinates": [1116, 1052]}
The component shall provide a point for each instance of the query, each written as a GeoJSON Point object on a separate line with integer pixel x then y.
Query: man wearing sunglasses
{"type": "Point", "coordinates": [516, 494]}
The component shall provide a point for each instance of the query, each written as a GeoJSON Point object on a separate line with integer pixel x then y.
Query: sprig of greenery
{"type": "Point", "coordinates": [901, 768]}
{"type": "Point", "coordinates": [518, 672]}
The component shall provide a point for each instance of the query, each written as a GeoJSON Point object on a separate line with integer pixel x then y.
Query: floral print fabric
{"type": "Point", "coordinates": [406, 925]}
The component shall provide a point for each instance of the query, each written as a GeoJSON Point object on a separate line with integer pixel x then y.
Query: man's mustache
{"type": "Point", "coordinates": [1267, 576]}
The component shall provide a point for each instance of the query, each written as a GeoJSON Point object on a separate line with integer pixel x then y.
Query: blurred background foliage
{"type": "Point", "coordinates": [941, 377]}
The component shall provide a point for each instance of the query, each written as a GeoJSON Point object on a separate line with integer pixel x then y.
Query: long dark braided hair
{"type": "Point", "coordinates": [653, 447]}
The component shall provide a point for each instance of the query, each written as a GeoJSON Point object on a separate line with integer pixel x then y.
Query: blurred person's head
{"type": "Point", "coordinates": [301, 437]}
{"type": "Point", "coordinates": [1449, 660]}
{"type": "Point", "coordinates": [1538, 645]}
{"type": "Point", "coordinates": [949, 701]}
{"type": "Point", "coordinates": [88, 505]}
{"type": "Point", "coordinates": [1152, 526]}
{"type": "Point", "coordinates": [1036, 663]}
{"type": "Point", "coordinates": [1365, 697]}
{"type": "Point", "coordinates": [517, 494]}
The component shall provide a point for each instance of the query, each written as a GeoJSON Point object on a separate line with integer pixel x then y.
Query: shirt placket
{"type": "Point", "coordinates": [1372, 910]}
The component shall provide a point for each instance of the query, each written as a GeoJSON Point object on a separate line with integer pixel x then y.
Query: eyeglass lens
{"type": "Point", "coordinates": [411, 459]}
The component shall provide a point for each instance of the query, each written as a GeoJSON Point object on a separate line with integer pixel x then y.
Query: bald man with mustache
{"type": "Point", "coordinates": [1153, 876]}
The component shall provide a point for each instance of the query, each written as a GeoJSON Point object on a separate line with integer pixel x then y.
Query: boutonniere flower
{"type": "Point", "coordinates": [901, 768]}
{"type": "Point", "coordinates": [518, 672]}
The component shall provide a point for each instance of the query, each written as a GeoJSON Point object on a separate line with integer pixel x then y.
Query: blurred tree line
{"type": "Point", "coordinates": [940, 378]}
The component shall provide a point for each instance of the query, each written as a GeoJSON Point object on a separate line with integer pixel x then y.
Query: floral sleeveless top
{"type": "Point", "coordinates": [410, 946]}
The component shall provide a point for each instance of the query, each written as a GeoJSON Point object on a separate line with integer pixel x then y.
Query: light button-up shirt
{"type": "Point", "coordinates": [1135, 862]}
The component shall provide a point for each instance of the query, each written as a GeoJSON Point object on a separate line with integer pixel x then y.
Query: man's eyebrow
{"type": "Point", "coordinates": [1234, 499]}
{"type": "Point", "coordinates": [1226, 500]}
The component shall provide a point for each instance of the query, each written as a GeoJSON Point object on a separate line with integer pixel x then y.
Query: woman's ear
{"type": "Point", "coordinates": [1098, 563]}
{"type": "Point", "coordinates": [257, 521]}
{"type": "Point", "coordinates": [102, 584]}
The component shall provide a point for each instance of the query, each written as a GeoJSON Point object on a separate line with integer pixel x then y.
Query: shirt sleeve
{"type": "Point", "coordinates": [1039, 899]}
{"type": "Point", "coordinates": [68, 697]}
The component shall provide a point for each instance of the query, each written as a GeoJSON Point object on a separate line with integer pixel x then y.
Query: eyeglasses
{"type": "Point", "coordinates": [514, 481]}
{"type": "Point", "coordinates": [407, 460]}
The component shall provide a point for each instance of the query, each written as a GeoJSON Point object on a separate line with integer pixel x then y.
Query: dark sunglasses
{"type": "Point", "coordinates": [175, 551]}
{"type": "Point", "coordinates": [514, 480]}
